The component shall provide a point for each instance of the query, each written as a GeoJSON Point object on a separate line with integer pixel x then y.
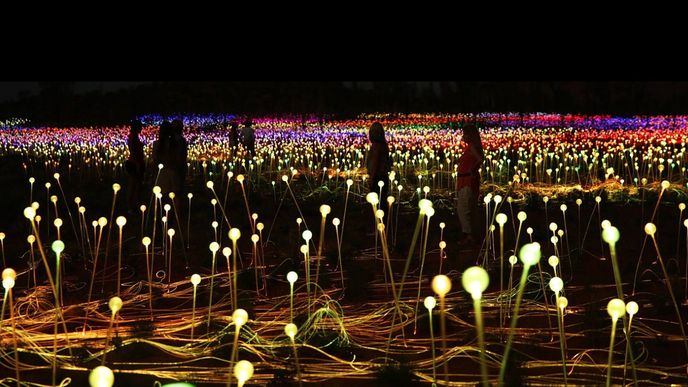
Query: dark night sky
{"type": "Point", "coordinates": [11, 90]}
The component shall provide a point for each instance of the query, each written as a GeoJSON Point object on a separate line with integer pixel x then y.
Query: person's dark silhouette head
{"type": "Point", "coordinates": [376, 133]}
{"type": "Point", "coordinates": [471, 136]}
{"type": "Point", "coordinates": [165, 130]}
{"type": "Point", "coordinates": [136, 127]}
{"type": "Point", "coordinates": [234, 125]}
{"type": "Point", "coordinates": [248, 122]}
{"type": "Point", "coordinates": [177, 127]}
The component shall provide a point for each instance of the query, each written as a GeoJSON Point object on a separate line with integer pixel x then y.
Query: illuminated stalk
{"type": "Point", "coordinates": [115, 305]}
{"type": "Point", "coordinates": [530, 255]}
{"type": "Point", "coordinates": [214, 247]}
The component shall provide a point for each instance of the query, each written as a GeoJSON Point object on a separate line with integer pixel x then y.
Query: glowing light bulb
{"type": "Point", "coordinates": [563, 303]}
{"type": "Point", "coordinates": [195, 279]}
{"type": "Point", "coordinates": [121, 221]}
{"type": "Point", "coordinates": [429, 302]}
{"type": "Point", "coordinates": [336, 222]}
{"type": "Point", "coordinates": [101, 376]}
{"type": "Point", "coordinates": [475, 280]}
{"type": "Point", "coordinates": [307, 235]}
{"type": "Point", "coordinates": [513, 259]}
{"type": "Point", "coordinates": [611, 234]}
{"type": "Point", "coordinates": [58, 247]}
{"type": "Point", "coordinates": [290, 330]}
{"type": "Point", "coordinates": [616, 308]}
{"type": "Point", "coordinates": [441, 284]}
{"type": "Point", "coordinates": [255, 238]}
{"type": "Point", "coordinates": [553, 260]}
{"type": "Point", "coordinates": [171, 232]}
{"type": "Point", "coordinates": [632, 308]}
{"type": "Point", "coordinates": [530, 254]}
{"type": "Point", "coordinates": [57, 222]}
{"type": "Point", "coordinates": [425, 205]}
{"type": "Point", "coordinates": [243, 371]}
{"type": "Point", "coordinates": [522, 216]}
{"type": "Point", "coordinates": [372, 198]}
{"type": "Point", "coordinates": [292, 277]}
{"type": "Point", "coordinates": [666, 184]}
{"type": "Point", "coordinates": [29, 213]}
{"type": "Point", "coordinates": [650, 229]}
{"type": "Point", "coordinates": [325, 210]}
{"type": "Point", "coordinates": [240, 317]}
{"type": "Point", "coordinates": [563, 207]}
{"type": "Point", "coordinates": [214, 247]}
{"type": "Point", "coordinates": [146, 241]}
{"type": "Point", "coordinates": [556, 284]}
{"type": "Point", "coordinates": [115, 304]}
{"type": "Point", "coordinates": [116, 187]}
{"type": "Point", "coordinates": [234, 234]}
{"type": "Point", "coordinates": [501, 219]}
{"type": "Point", "coordinates": [553, 226]}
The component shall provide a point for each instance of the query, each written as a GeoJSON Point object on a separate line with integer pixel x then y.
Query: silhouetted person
{"type": "Point", "coordinates": [233, 134]}
{"type": "Point", "coordinates": [249, 137]}
{"type": "Point", "coordinates": [182, 148]}
{"type": "Point", "coordinates": [378, 162]}
{"type": "Point", "coordinates": [166, 152]}
{"type": "Point", "coordinates": [468, 183]}
{"type": "Point", "coordinates": [135, 167]}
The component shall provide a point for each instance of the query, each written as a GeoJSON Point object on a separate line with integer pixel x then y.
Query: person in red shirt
{"type": "Point", "coordinates": [468, 183]}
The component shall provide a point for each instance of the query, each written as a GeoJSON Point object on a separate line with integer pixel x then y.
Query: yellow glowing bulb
{"type": "Point", "coordinates": [598, 199]}
{"type": "Point", "coordinates": [553, 226]}
{"type": "Point", "coordinates": [579, 202]}
{"type": "Point", "coordinates": [8, 283]}
{"type": "Point", "coordinates": [650, 229]}
{"type": "Point", "coordinates": [56, 176]}
{"type": "Point", "coordinates": [522, 216]}
{"type": "Point", "coordinates": [530, 254]}
{"type": "Point", "coordinates": [529, 230]}
{"type": "Point", "coordinates": [611, 234]}
{"type": "Point", "coordinates": [563, 208]}
{"type": "Point", "coordinates": [497, 199]}
{"type": "Point", "coordinates": [116, 187]}
{"type": "Point", "coordinates": [234, 234]}
{"type": "Point", "coordinates": [58, 247]}
{"type": "Point", "coordinates": [9, 273]}
{"type": "Point", "coordinates": [171, 195]}
{"type": "Point", "coordinates": [501, 219]}
{"type": "Point", "coordinates": [227, 252]}
{"type": "Point", "coordinates": [171, 232]}
{"type": "Point", "coordinates": [255, 238]}
{"type": "Point", "coordinates": [157, 190]}
{"type": "Point", "coordinates": [429, 302]}
{"type": "Point", "coordinates": [325, 210]}
{"type": "Point", "coordinates": [335, 222]}
{"type": "Point", "coordinates": [563, 303]}
{"type": "Point", "coordinates": [53, 198]}
{"type": "Point", "coordinates": [29, 213]}
{"type": "Point", "coordinates": [101, 376]}
{"type": "Point", "coordinates": [243, 370]}
{"type": "Point", "coordinates": [213, 202]}
{"type": "Point", "coordinates": [605, 224]}
{"type": "Point", "coordinates": [442, 225]}
{"type": "Point", "coordinates": [349, 182]}
{"type": "Point", "coordinates": [240, 317]}
{"type": "Point", "coordinates": [195, 279]}
{"type": "Point", "coordinates": [682, 206]}
{"type": "Point", "coordinates": [616, 308]}
{"type": "Point", "coordinates": [441, 284]}
{"type": "Point", "coordinates": [632, 308]}
{"type": "Point", "coordinates": [240, 179]}
{"type": "Point", "coordinates": [260, 226]}
{"type": "Point", "coordinates": [214, 224]}
{"type": "Point", "coordinates": [443, 245]}
{"type": "Point", "coordinates": [513, 260]}
{"type": "Point", "coordinates": [121, 221]}
{"type": "Point", "coordinates": [372, 198]}
{"type": "Point", "coordinates": [166, 207]}
{"type": "Point", "coordinates": [665, 184]}
{"type": "Point", "coordinates": [553, 261]}
{"type": "Point", "coordinates": [556, 284]}
{"type": "Point", "coordinates": [304, 249]}
{"type": "Point", "coordinates": [77, 200]}
{"type": "Point", "coordinates": [290, 330]}
{"type": "Point", "coordinates": [307, 235]}
{"type": "Point", "coordinates": [475, 280]}
{"type": "Point", "coordinates": [146, 241]}
{"type": "Point", "coordinates": [31, 239]}
{"type": "Point", "coordinates": [35, 205]}
{"type": "Point", "coordinates": [390, 199]}
{"type": "Point", "coordinates": [299, 221]}
{"type": "Point", "coordinates": [545, 199]}
{"type": "Point", "coordinates": [214, 247]}
{"type": "Point", "coordinates": [142, 208]}
{"type": "Point", "coordinates": [189, 195]}
{"type": "Point", "coordinates": [115, 304]}
{"type": "Point", "coordinates": [285, 178]}
{"type": "Point", "coordinates": [102, 221]}
{"type": "Point", "coordinates": [425, 205]}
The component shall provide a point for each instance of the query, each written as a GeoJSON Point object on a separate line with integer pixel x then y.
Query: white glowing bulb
{"type": "Point", "coordinates": [292, 277]}
{"type": "Point", "coordinates": [240, 317]}
{"type": "Point", "coordinates": [195, 279]}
